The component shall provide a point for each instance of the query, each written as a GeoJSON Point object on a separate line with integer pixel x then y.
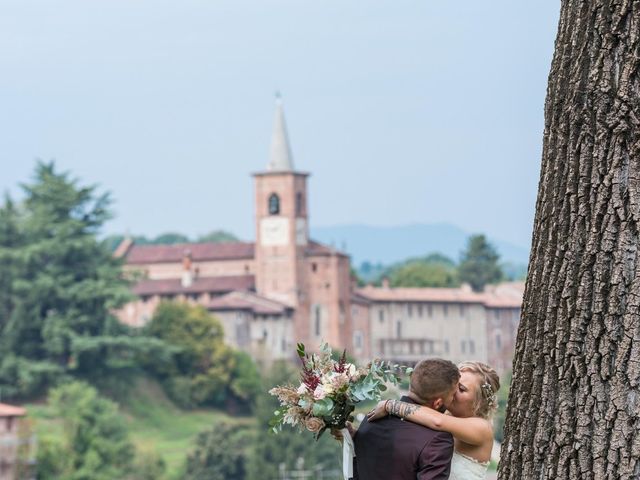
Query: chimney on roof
{"type": "Point", "coordinates": [187, 270]}
{"type": "Point", "coordinates": [385, 282]}
{"type": "Point", "coordinates": [466, 288]}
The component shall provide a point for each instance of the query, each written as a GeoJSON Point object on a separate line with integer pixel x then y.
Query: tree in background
{"type": "Point", "coordinates": [220, 453]}
{"type": "Point", "coordinates": [95, 444]}
{"type": "Point", "coordinates": [420, 273]}
{"type": "Point", "coordinates": [479, 264]}
{"type": "Point", "coordinates": [10, 238]}
{"type": "Point", "coordinates": [289, 445]}
{"type": "Point", "coordinates": [59, 287]}
{"type": "Point", "coordinates": [170, 238]}
{"type": "Point", "coordinates": [574, 402]}
{"type": "Point", "coordinates": [218, 236]}
{"type": "Point", "coordinates": [205, 371]}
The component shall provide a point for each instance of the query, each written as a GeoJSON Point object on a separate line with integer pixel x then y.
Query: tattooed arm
{"type": "Point", "coordinates": [472, 430]}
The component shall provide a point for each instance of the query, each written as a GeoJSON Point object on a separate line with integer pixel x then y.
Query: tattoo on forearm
{"type": "Point", "coordinates": [401, 409]}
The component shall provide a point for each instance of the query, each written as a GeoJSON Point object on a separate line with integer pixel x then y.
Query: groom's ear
{"type": "Point", "coordinates": [438, 403]}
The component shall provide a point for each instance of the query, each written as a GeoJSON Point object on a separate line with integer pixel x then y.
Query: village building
{"type": "Point", "coordinates": [286, 288]}
{"type": "Point", "coordinates": [10, 441]}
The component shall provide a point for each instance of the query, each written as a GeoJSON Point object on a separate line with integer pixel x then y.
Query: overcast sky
{"type": "Point", "coordinates": [403, 111]}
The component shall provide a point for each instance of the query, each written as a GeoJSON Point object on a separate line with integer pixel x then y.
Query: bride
{"type": "Point", "coordinates": [468, 419]}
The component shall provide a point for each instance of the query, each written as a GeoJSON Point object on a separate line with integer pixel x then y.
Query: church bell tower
{"type": "Point", "coordinates": [282, 227]}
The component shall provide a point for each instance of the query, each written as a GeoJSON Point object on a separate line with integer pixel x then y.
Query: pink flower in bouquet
{"type": "Point", "coordinates": [339, 380]}
{"type": "Point", "coordinates": [321, 391]}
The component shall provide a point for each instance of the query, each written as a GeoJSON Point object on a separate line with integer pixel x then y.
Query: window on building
{"type": "Point", "coordinates": [472, 347]}
{"type": "Point", "coordinates": [399, 329]}
{"type": "Point", "coordinates": [381, 315]}
{"type": "Point", "coordinates": [274, 204]}
{"type": "Point", "coordinates": [430, 310]}
{"type": "Point", "coordinates": [342, 312]}
{"type": "Point", "coordinates": [299, 203]}
{"type": "Point", "coordinates": [357, 340]}
{"type": "Point", "coordinates": [446, 346]}
{"type": "Point", "coordinates": [462, 310]}
{"type": "Point", "coordinates": [498, 341]}
{"type": "Point", "coordinates": [420, 310]}
{"type": "Point", "coordinates": [314, 267]}
{"type": "Point", "coordinates": [317, 316]}
{"type": "Point", "coordinates": [445, 309]}
{"type": "Point", "coordinates": [409, 309]}
{"type": "Point", "coordinates": [463, 346]}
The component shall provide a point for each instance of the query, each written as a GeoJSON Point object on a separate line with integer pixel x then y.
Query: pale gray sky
{"type": "Point", "coordinates": [403, 111]}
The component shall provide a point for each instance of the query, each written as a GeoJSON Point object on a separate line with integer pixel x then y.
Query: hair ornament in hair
{"type": "Point", "coordinates": [489, 394]}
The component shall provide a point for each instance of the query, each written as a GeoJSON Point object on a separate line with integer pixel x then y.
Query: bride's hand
{"type": "Point", "coordinates": [378, 411]}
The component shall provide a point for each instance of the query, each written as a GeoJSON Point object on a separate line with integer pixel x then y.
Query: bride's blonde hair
{"type": "Point", "coordinates": [487, 394]}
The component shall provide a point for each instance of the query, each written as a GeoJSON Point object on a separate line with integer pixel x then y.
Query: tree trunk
{"type": "Point", "coordinates": [574, 405]}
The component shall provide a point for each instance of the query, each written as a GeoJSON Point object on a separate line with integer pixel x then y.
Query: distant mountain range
{"type": "Point", "coordinates": [388, 245]}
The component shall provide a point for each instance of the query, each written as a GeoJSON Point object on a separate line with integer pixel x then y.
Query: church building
{"type": "Point", "coordinates": [286, 288]}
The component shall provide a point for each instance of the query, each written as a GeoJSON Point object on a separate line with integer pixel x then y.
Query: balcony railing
{"type": "Point", "coordinates": [408, 350]}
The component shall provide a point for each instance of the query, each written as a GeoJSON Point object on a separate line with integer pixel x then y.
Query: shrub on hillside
{"type": "Point", "coordinates": [204, 370]}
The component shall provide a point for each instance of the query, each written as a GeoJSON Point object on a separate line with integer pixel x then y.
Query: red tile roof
{"type": "Point", "coordinates": [501, 296]}
{"type": "Point", "coordinates": [443, 295]}
{"type": "Point", "coordinates": [141, 254]}
{"type": "Point", "coordinates": [315, 249]}
{"type": "Point", "coordinates": [199, 285]}
{"type": "Point", "coordinates": [505, 295]}
{"type": "Point", "coordinates": [249, 301]}
{"type": "Point", "coordinates": [11, 411]}
{"type": "Point", "coordinates": [359, 299]}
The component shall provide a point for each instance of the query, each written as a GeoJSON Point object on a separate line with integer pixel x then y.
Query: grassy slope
{"type": "Point", "coordinates": [156, 425]}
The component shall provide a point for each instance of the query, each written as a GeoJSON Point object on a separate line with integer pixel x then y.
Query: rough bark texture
{"type": "Point", "coordinates": [575, 401]}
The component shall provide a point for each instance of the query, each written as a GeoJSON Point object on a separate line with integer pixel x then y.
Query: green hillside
{"type": "Point", "coordinates": [156, 425]}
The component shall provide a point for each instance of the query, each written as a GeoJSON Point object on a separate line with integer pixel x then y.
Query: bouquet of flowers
{"type": "Point", "coordinates": [328, 393]}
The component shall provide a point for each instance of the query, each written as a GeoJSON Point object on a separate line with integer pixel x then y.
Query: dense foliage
{"type": "Point", "coordinates": [205, 370]}
{"type": "Point", "coordinates": [95, 443]}
{"type": "Point", "coordinates": [434, 270]}
{"type": "Point", "coordinates": [479, 264]}
{"type": "Point", "coordinates": [220, 453]}
{"type": "Point", "coordinates": [58, 288]}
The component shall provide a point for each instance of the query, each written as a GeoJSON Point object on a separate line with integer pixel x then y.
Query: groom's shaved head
{"type": "Point", "coordinates": [433, 378]}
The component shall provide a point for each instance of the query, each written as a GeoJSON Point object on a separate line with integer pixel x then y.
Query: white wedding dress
{"type": "Point", "coordinates": [467, 468]}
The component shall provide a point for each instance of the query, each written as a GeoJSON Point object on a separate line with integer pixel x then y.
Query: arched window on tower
{"type": "Point", "coordinates": [299, 204]}
{"type": "Point", "coordinates": [274, 204]}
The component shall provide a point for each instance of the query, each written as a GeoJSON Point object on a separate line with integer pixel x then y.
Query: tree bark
{"type": "Point", "coordinates": [574, 405]}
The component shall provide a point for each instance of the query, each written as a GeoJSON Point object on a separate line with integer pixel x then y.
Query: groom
{"type": "Point", "coordinates": [392, 449]}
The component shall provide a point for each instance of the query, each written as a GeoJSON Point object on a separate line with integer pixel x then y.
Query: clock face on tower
{"type": "Point", "coordinates": [301, 231]}
{"type": "Point", "coordinates": [274, 231]}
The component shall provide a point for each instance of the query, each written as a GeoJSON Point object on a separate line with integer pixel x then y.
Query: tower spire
{"type": "Point", "coordinates": [280, 159]}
